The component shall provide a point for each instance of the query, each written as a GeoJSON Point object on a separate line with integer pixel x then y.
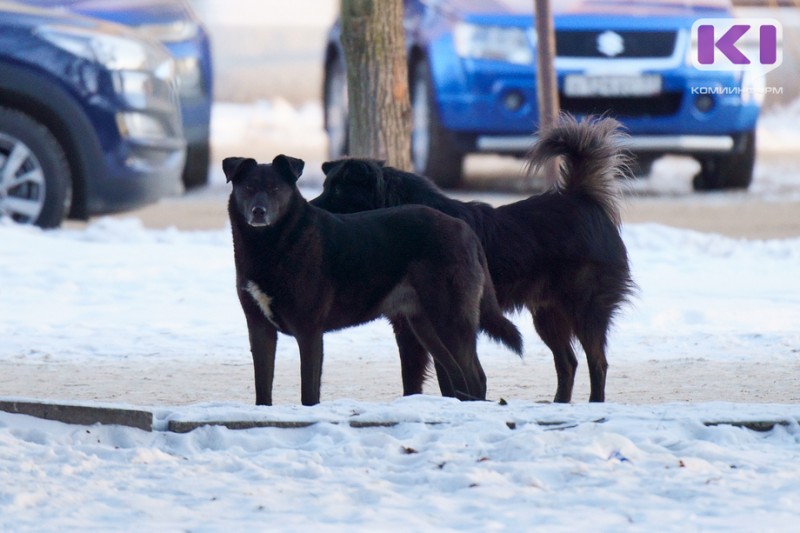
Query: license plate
{"type": "Point", "coordinates": [612, 85]}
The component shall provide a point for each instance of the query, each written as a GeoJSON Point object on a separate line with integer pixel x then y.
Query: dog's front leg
{"type": "Point", "coordinates": [263, 340]}
{"type": "Point", "coordinates": [310, 345]}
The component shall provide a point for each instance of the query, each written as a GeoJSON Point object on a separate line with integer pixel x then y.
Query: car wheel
{"type": "Point", "coordinates": [731, 171]}
{"type": "Point", "coordinates": [35, 181]}
{"type": "Point", "coordinates": [195, 171]}
{"type": "Point", "coordinates": [336, 109]}
{"type": "Point", "coordinates": [433, 152]}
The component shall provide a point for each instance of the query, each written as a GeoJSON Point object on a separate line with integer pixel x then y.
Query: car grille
{"type": "Point", "coordinates": [633, 44]}
{"type": "Point", "coordinates": [654, 106]}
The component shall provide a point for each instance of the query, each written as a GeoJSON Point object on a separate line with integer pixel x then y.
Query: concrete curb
{"type": "Point", "coordinates": [90, 415]}
{"type": "Point", "coordinates": [81, 414]}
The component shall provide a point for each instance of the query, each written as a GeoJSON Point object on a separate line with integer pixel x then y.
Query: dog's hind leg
{"type": "Point", "coordinates": [554, 327]}
{"type": "Point", "coordinates": [415, 361]}
{"type": "Point", "coordinates": [310, 345]}
{"type": "Point", "coordinates": [460, 338]}
{"type": "Point", "coordinates": [463, 381]}
{"type": "Point", "coordinates": [414, 358]}
{"type": "Point", "coordinates": [592, 333]}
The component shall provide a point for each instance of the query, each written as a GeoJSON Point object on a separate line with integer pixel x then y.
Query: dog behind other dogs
{"type": "Point", "coordinates": [558, 254]}
{"type": "Point", "coordinates": [303, 271]}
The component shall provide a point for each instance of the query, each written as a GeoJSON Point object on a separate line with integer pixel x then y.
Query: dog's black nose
{"type": "Point", "coordinates": [258, 212]}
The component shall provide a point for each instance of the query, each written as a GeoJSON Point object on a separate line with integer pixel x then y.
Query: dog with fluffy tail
{"type": "Point", "coordinates": [558, 254]}
{"type": "Point", "coordinates": [592, 162]}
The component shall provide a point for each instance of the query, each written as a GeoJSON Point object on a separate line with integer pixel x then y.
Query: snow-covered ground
{"type": "Point", "coordinates": [612, 468]}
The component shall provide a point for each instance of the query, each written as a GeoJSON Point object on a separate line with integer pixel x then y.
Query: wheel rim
{"type": "Point", "coordinates": [22, 183]}
{"type": "Point", "coordinates": [336, 113]}
{"type": "Point", "coordinates": [420, 134]}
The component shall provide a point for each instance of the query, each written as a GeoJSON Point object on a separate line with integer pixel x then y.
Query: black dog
{"type": "Point", "coordinates": [303, 271]}
{"type": "Point", "coordinates": [559, 254]}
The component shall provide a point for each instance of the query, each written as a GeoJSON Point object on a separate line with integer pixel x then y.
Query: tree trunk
{"type": "Point", "coordinates": [377, 80]}
{"type": "Point", "coordinates": [546, 84]}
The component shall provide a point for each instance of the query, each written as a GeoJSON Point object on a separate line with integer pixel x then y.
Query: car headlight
{"type": "Point", "coordinates": [115, 52]}
{"type": "Point", "coordinates": [190, 76]}
{"type": "Point", "coordinates": [500, 43]}
{"type": "Point", "coordinates": [171, 32]}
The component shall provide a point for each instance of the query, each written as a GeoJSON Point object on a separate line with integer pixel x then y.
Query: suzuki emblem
{"type": "Point", "coordinates": [610, 43]}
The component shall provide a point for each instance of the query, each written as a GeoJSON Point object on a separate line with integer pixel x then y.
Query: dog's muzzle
{"type": "Point", "coordinates": [258, 216]}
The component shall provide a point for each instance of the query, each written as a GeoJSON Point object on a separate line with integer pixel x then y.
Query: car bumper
{"type": "Point", "coordinates": [636, 143]}
{"type": "Point", "coordinates": [138, 173]}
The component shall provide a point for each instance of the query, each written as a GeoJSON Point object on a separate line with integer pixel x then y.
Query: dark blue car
{"type": "Point", "coordinates": [472, 73]}
{"type": "Point", "coordinates": [175, 24]}
{"type": "Point", "coordinates": [89, 117]}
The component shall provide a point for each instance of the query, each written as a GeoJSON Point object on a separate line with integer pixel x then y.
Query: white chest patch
{"type": "Point", "coordinates": [262, 299]}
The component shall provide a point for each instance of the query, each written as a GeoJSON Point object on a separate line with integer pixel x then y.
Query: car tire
{"type": "Point", "coordinates": [336, 109]}
{"type": "Point", "coordinates": [433, 152]}
{"type": "Point", "coordinates": [195, 171]}
{"type": "Point", "coordinates": [731, 171]}
{"type": "Point", "coordinates": [35, 178]}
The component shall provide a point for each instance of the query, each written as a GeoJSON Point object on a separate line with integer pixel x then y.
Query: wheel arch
{"type": "Point", "coordinates": [57, 110]}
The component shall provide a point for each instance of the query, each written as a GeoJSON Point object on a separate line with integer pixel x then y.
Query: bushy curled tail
{"type": "Point", "coordinates": [492, 321]}
{"type": "Point", "coordinates": [593, 158]}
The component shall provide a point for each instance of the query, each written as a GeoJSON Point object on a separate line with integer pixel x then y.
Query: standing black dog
{"type": "Point", "coordinates": [559, 254]}
{"type": "Point", "coordinates": [303, 271]}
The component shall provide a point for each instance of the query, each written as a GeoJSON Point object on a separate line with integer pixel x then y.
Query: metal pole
{"type": "Point", "coordinates": [546, 81]}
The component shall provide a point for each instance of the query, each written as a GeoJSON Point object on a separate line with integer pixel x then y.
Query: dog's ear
{"type": "Point", "coordinates": [328, 165]}
{"type": "Point", "coordinates": [233, 166]}
{"type": "Point", "coordinates": [289, 167]}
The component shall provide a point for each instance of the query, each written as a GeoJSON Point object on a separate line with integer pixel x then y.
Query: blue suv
{"type": "Point", "coordinates": [89, 117]}
{"type": "Point", "coordinates": [472, 79]}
